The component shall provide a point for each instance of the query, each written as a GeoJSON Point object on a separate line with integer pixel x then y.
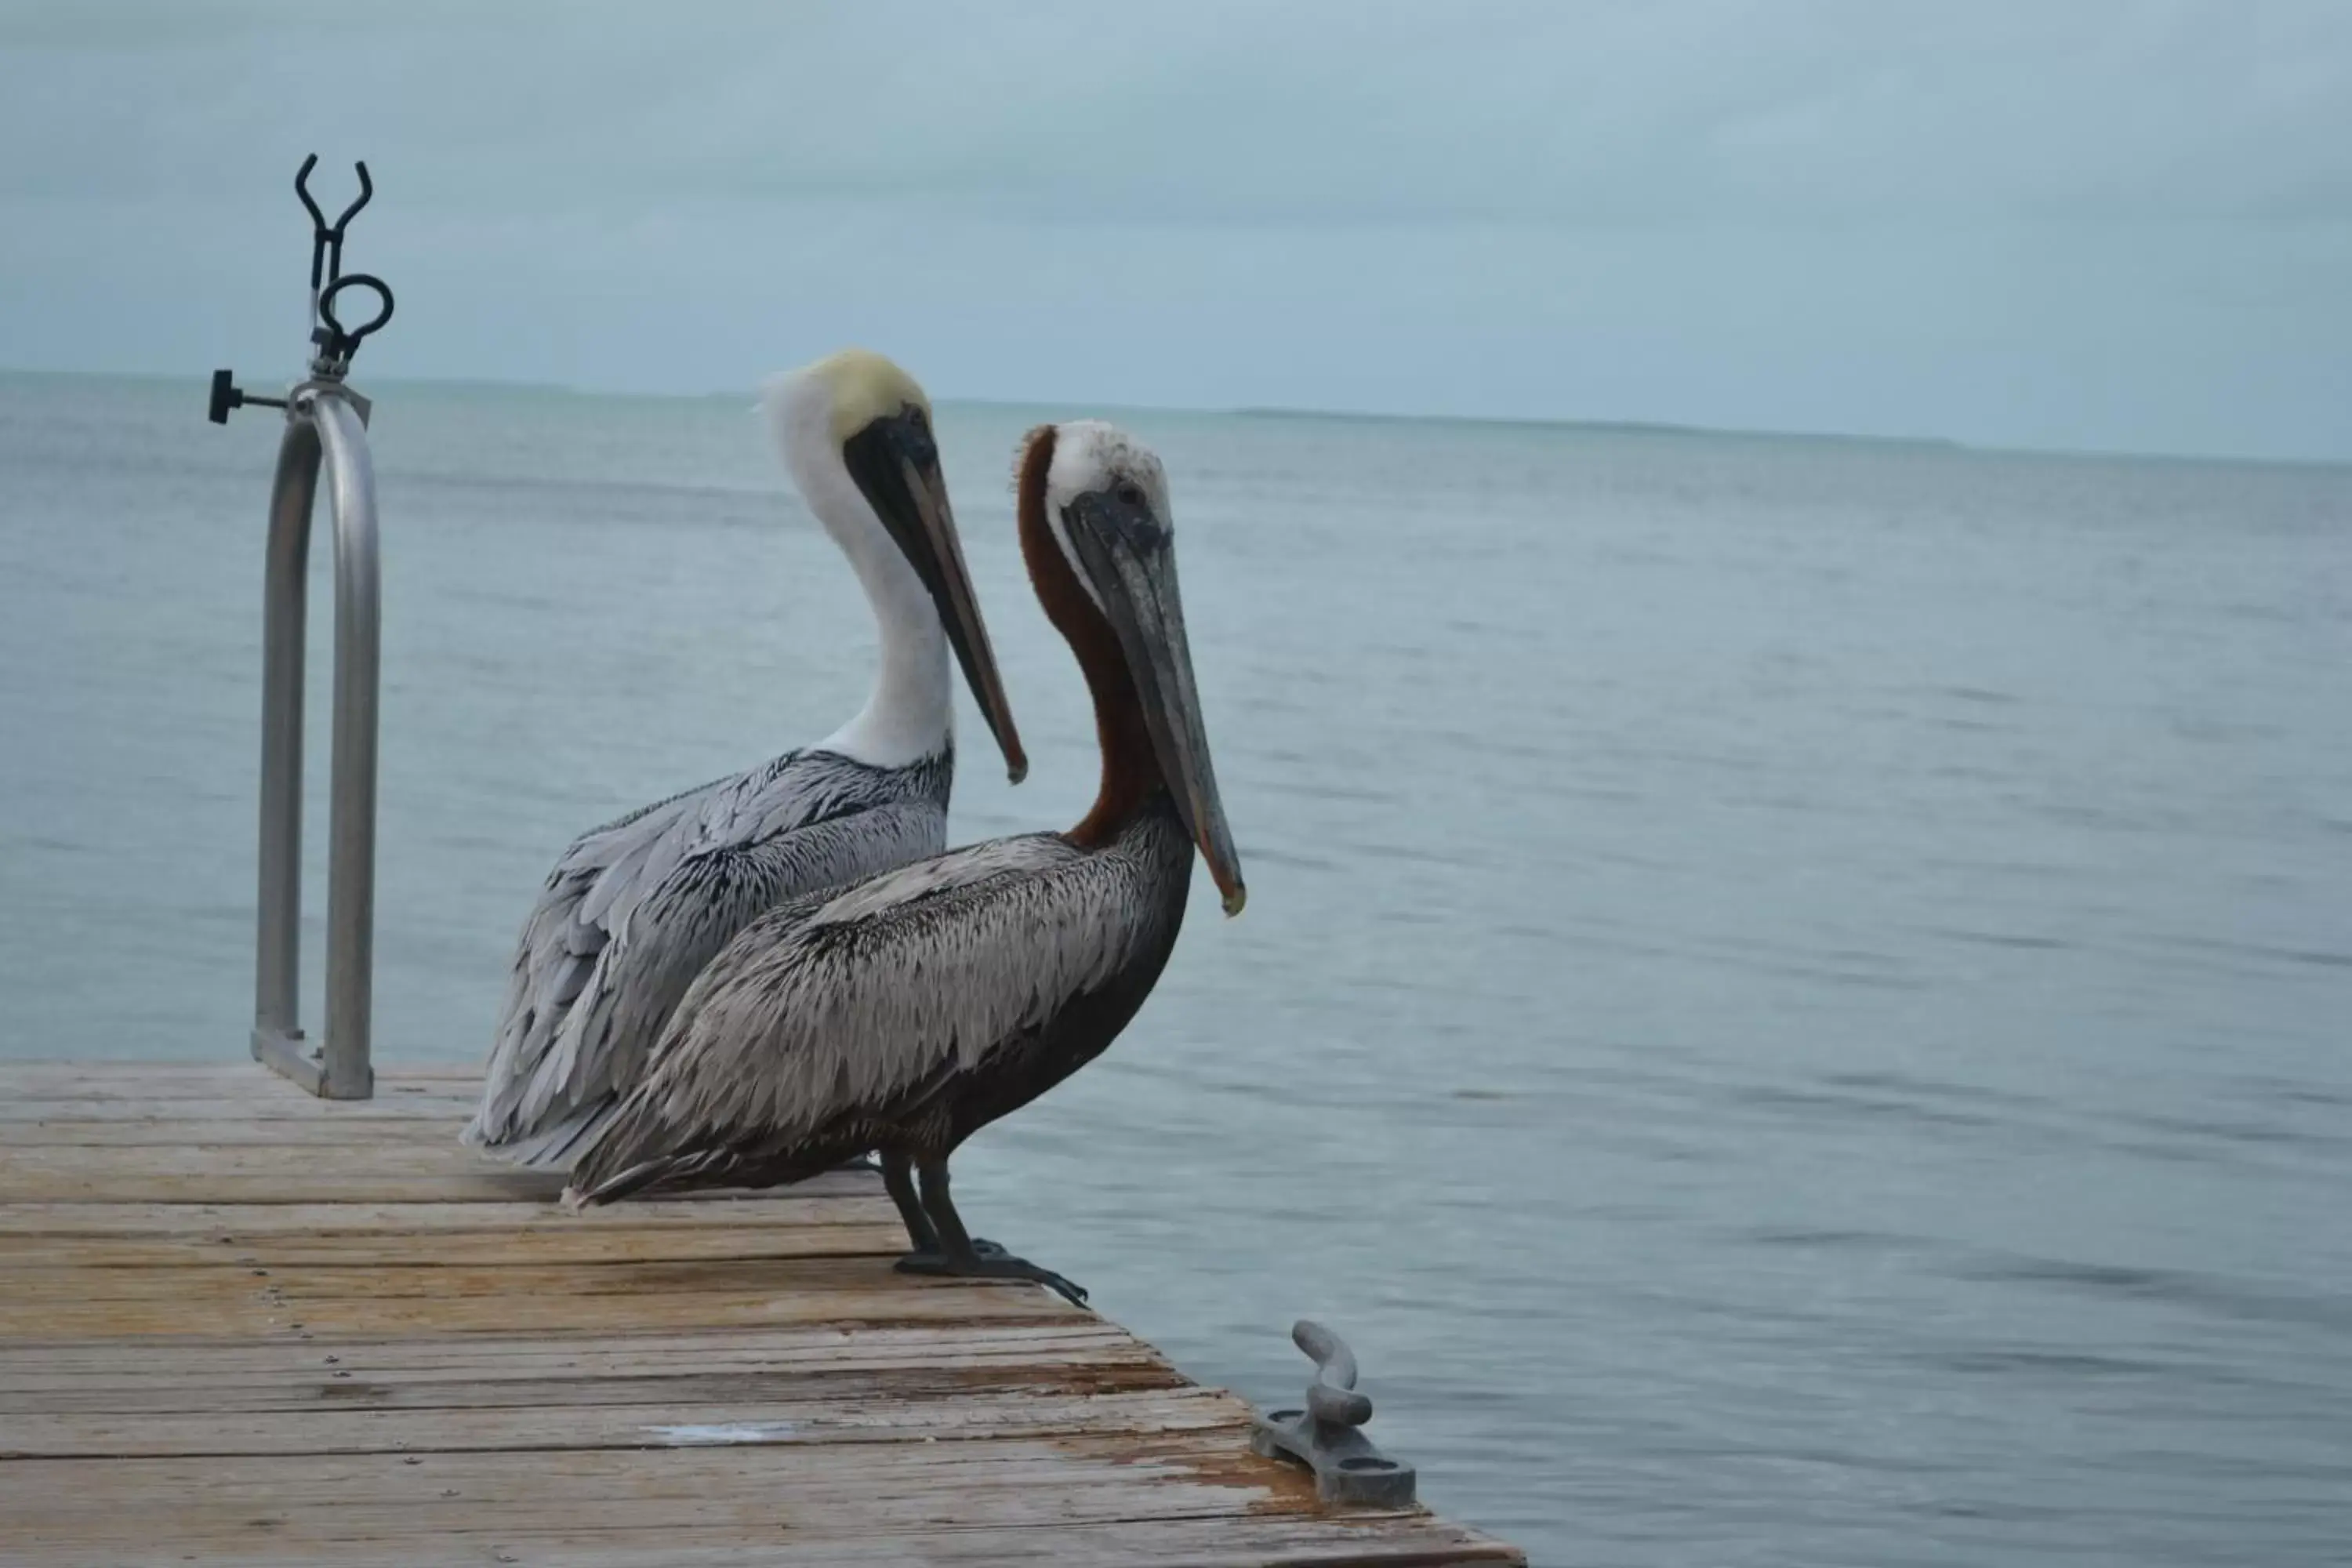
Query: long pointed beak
{"type": "Point", "coordinates": [1133, 564]}
{"type": "Point", "coordinates": [896, 466]}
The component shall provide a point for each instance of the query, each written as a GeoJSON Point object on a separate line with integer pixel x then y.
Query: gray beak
{"type": "Point", "coordinates": [1131, 562]}
{"type": "Point", "coordinates": [896, 464]}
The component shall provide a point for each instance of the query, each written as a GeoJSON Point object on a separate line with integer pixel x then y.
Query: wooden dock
{"type": "Point", "coordinates": [241, 1325]}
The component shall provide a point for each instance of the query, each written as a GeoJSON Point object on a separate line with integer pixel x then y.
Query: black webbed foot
{"type": "Point", "coordinates": [997, 1264]}
{"type": "Point", "coordinates": [980, 1245]}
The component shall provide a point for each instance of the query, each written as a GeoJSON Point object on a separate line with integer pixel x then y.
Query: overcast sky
{"type": "Point", "coordinates": [2114, 224]}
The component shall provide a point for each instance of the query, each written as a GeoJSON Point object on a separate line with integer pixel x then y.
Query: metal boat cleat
{"type": "Point", "coordinates": [1327, 1437]}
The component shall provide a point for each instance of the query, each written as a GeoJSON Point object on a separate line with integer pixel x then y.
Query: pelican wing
{"type": "Point", "coordinates": [829, 1014]}
{"type": "Point", "coordinates": [633, 909]}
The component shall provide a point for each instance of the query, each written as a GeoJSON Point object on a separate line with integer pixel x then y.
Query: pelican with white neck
{"type": "Point", "coordinates": [633, 909]}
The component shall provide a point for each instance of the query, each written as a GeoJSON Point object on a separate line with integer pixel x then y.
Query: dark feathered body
{"type": "Point", "coordinates": [904, 1014]}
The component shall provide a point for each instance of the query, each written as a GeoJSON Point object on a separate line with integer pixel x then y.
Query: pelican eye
{"type": "Point", "coordinates": [919, 445]}
{"type": "Point", "coordinates": [1128, 492]}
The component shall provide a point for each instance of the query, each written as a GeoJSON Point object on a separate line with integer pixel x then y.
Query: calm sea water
{"type": "Point", "coordinates": [1796, 1002]}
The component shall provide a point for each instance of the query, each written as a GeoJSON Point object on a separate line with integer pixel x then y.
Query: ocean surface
{"type": "Point", "coordinates": [1796, 1000]}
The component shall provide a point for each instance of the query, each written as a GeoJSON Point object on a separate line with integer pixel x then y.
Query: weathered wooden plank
{"type": "Point", "coordinates": [227, 1132]}
{"type": "Point", "coordinates": [291, 1104]}
{"type": "Point", "coordinates": [38, 1366]}
{"type": "Point", "coordinates": [823, 1200]}
{"type": "Point", "coordinates": [327, 1186]}
{"type": "Point", "coordinates": [774, 1487]}
{"type": "Point", "coordinates": [229, 1075]}
{"type": "Point", "coordinates": [437, 1283]}
{"type": "Point", "coordinates": [193, 1160]}
{"type": "Point", "coordinates": [1269, 1540]}
{"type": "Point", "coordinates": [860, 1411]}
{"type": "Point", "coordinates": [886, 1388]}
{"type": "Point", "coordinates": [193, 1164]}
{"type": "Point", "coordinates": [878, 1236]}
{"type": "Point", "coordinates": [866, 1228]}
{"type": "Point", "coordinates": [356, 1306]}
{"type": "Point", "coordinates": [362, 1169]}
{"type": "Point", "coordinates": [810, 1202]}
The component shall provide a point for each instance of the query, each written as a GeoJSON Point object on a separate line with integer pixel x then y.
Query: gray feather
{"type": "Point", "coordinates": [635, 909]}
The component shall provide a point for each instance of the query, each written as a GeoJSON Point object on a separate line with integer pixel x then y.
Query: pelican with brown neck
{"type": "Point", "coordinates": [906, 1011]}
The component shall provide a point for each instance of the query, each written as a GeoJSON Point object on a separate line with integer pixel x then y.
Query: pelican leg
{"type": "Point", "coordinates": [898, 1177]}
{"type": "Point", "coordinates": [959, 1256]}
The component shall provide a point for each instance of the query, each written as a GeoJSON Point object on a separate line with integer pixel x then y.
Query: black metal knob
{"type": "Point", "coordinates": [225, 396]}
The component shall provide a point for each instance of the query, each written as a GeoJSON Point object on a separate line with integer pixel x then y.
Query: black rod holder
{"type": "Point", "coordinates": [333, 342]}
{"type": "Point", "coordinates": [327, 242]}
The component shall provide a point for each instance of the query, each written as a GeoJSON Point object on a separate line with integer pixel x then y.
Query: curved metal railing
{"type": "Point", "coordinates": [326, 425]}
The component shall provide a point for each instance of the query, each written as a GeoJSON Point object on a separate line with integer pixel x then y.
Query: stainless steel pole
{"type": "Point", "coordinates": [350, 818]}
{"type": "Point", "coordinates": [323, 421]}
{"type": "Point", "coordinates": [277, 958]}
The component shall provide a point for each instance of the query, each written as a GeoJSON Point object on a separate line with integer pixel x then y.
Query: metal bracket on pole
{"type": "Point", "coordinates": [1327, 1436]}
{"type": "Point", "coordinates": [326, 423]}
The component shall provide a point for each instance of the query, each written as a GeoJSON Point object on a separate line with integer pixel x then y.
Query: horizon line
{"type": "Point", "coordinates": [1655, 429]}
